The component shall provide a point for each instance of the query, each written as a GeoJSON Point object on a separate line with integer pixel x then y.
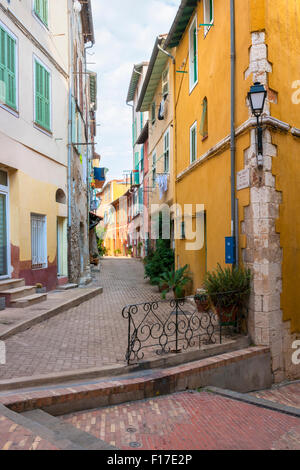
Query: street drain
{"type": "Point", "coordinates": [135, 444]}
{"type": "Point", "coordinates": [132, 430]}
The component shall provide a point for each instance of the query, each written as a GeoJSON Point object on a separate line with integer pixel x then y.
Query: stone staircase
{"type": "Point", "coordinates": [17, 295]}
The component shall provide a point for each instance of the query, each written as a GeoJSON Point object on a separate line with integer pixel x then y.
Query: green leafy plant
{"type": "Point", "coordinates": [175, 280]}
{"type": "Point", "coordinates": [130, 250]}
{"type": "Point", "coordinates": [161, 261]}
{"type": "Point", "coordinates": [101, 248]}
{"type": "Point", "coordinates": [228, 287]}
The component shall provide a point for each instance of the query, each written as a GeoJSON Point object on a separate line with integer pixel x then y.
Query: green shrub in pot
{"type": "Point", "coordinates": [228, 289]}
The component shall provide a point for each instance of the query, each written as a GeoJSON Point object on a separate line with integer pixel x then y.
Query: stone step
{"type": "Point", "coordinates": [27, 301]}
{"type": "Point", "coordinates": [62, 432]}
{"type": "Point", "coordinates": [17, 293]}
{"type": "Point", "coordinates": [67, 286]}
{"type": "Point", "coordinates": [11, 284]}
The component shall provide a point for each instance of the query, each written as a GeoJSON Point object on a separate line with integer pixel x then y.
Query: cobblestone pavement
{"type": "Point", "coordinates": [190, 421]}
{"type": "Point", "coordinates": [16, 437]}
{"type": "Point", "coordinates": [93, 334]}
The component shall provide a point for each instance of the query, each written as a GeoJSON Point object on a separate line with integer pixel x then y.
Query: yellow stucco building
{"type": "Point", "coordinates": [107, 229]}
{"type": "Point", "coordinates": [222, 48]}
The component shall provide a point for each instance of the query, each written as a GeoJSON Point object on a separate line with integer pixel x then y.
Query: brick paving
{"type": "Point", "coordinates": [16, 437]}
{"type": "Point", "coordinates": [286, 394]}
{"type": "Point", "coordinates": [90, 335]}
{"type": "Point", "coordinates": [190, 421]}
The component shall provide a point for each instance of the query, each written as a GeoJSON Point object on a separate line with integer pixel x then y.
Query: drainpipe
{"type": "Point", "coordinates": [174, 145]}
{"type": "Point", "coordinates": [71, 77]}
{"type": "Point", "coordinates": [234, 222]}
{"type": "Point", "coordinates": [87, 150]}
{"type": "Point", "coordinates": [167, 53]}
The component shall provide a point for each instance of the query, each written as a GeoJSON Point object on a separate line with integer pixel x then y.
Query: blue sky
{"type": "Point", "coordinates": [125, 32]}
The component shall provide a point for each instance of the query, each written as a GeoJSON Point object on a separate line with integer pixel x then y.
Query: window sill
{"type": "Point", "coordinates": [12, 111]}
{"type": "Point", "coordinates": [42, 129]}
{"type": "Point", "coordinates": [44, 25]}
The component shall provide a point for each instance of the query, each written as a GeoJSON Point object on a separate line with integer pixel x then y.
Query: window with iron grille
{"type": "Point", "coordinates": [38, 241]}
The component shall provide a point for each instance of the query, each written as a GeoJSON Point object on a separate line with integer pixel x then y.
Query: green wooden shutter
{"type": "Point", "coordinates": [2, 65]}
{"type": "Point", "coordinates": [41, 10]}
{"type": "Point", "coordinates": [193, 144]}
{"type": "Point", "coordinates": [45, 12]}
{"type": "Point", "coordinates": [42, 96]}
{"type": "Point", "coordinates": [11, 72]}
{"type": "Point", "coordinates": [37, 7]}
{"type": "Point", "coordinates": [210, 11]}
{"type": "Point", "coordinates": [47, 99]}
{"type": "Point", "coordinates": [38, 94]}
{"type": "Point", "coordinates": [7, 69]}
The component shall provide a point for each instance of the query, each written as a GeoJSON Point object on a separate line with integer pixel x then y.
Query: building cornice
{"type": "Point", "coordinates": [34, 41]}
{"type": "Point", "coordinates": [267, 121]}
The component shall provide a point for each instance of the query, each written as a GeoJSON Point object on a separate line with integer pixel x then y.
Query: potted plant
{"type": "Point", "coordinates": [94, 259]}
{"type": "Point", "coordinates": [228, 290]}
{"type": "Point", "coordinates": [202, 300]}
{"type": "Point", "coordinates": [175, 280]}
{"type": "Point", "coordinates": [40, 289]}
{"type": "Point", "coordinates": [129, 250]}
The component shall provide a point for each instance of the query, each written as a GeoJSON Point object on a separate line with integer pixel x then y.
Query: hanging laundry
{"type": "Point", "coordinates": [161, 112]}
{"type": "Point", "coordinates": [162, 181]}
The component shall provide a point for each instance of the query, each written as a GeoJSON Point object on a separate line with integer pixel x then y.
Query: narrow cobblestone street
{"type": "Point", "coordinates": [93, 334]}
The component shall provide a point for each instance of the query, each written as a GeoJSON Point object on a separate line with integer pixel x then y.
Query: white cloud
{"type": "Point", "coordinates": [125, 31]}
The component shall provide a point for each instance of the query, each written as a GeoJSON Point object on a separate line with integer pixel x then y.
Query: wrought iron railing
{"type": "Point", "coordinates": [173, 326]}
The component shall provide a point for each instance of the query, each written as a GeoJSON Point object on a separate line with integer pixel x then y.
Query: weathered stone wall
{"type": "Point", "coordinates": [263, 253]}
{"type": "Point", "coordinates": [79, 267]}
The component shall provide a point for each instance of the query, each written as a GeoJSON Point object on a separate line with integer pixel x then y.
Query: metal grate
{"type": "Point", "coordinates": [38, 241]}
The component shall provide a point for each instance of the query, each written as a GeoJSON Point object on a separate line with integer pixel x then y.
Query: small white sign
{"type": "Point", "coordinates": [243, 179]}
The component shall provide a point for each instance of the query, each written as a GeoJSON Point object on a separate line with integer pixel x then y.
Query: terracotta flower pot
{"type": "Point", "coordinates": [163, 287]}
{"type": "Point", "coordinates": [227, 314]}
{"type": "Point", "coordinates": [202, 305]}
{"type": "Point", "coordinates": [181, 295]}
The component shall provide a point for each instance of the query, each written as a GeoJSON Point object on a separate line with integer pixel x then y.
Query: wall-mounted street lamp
{"type": "Point", "coordinates": [257, 97]}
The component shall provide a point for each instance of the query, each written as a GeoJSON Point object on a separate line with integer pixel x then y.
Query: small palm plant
{"type": "Point", "coordinates": [175, 280]}
{"type": "Point", "coordinates": [228, 289]}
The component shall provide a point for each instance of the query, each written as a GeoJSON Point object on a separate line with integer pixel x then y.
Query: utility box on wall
{"type": "Point", "coordinates": [230, 252]}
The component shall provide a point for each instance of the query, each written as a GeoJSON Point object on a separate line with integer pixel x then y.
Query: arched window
{"type": "Point", "coordinates": [60, 197]}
